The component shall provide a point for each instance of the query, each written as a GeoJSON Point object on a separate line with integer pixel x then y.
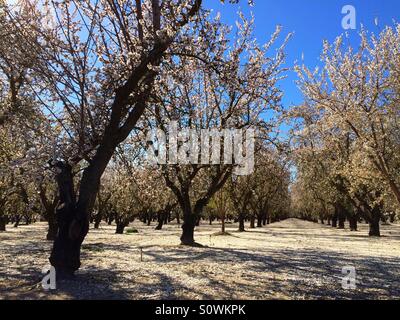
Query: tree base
{"type": "Point", "coordinates": [192, 244]}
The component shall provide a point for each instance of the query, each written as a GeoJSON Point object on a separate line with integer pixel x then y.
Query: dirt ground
{"type": "Point", "coordinates": [291, 259]}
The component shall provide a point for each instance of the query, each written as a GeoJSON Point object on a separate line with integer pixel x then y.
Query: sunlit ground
{"type": "Point", "coordinates": [292, 259]}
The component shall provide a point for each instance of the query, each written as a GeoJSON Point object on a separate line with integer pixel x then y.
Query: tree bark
{"type": "Point", "coordinates": [120, 227]}
{"type": "Point", "coordinates": [259, 221]}
{"type": "Point", "coordinates": [374, 230]}
{"type": "Point", "coordinates": [161, 220]}
{"type": "Point", "coordinates": [52, 227]}
{"type": "Point", "coordinates": [252, 222]}
{"type": "Point", "coordinates": [353, 222]}
{"type": "Point", "coordinates": [73, 226]}
{"type": "Point", "coordinates": [97, 219]}
{"type": "Point", "coordinates": [341, 222]}
{"type": "Point", "coordinates": [223, 223]}
{"type": "Point", "coordinates": [334, 220]}
{"type": "Point", "coordinates": [189, 223]}
{"type": "Point", "coordinates": [3, 223]}
{"type": "Point", "coordinates": [241, 222]}
{"type": "Point", "coordinates": [17, 221]}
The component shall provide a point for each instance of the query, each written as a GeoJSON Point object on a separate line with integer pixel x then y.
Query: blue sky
{"type": "Point", "coordinates": [312, 21]}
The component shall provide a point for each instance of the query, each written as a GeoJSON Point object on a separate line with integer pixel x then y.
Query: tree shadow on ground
{"type": "Point", "coordinates": [305, 272]}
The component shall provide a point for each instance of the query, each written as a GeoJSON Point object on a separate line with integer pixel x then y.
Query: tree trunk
{"type": "Point", "coordinates": [264, 222]}
{"type": "Point", "coordinates": [73, 226]}
{"type": "Point", "coordinates": [334, 220]}
{"type": "Point", "coordinates": [161, 219]}
{"type": "Point", "coordinates": [3, 222]}
{"type": "Point", "coordinates": [341, 222]}
{"type": "Point", "coordinates": [149, 218]}
{"type": "Point", "coordinates": [340, 214]}
{"type": "Point", "coordinates": [120, 227]}
{"type": "Point", "coordinates": [241, 222]}
{"type": "Point", "coordinates": [165, 216]}
{"type": "Point", "coordinates": [223, 223]}
{"type": "Point", "coordinates": [259, 221]}
{"type": "Point", "coordinates": [97, 219]}
{"type": "Point", "coordinates": [374, 230]}
{"type": "Point", "coordinates": [353, 222]}
{"type": "Point", "coordinates": [189, 223]}
{"type": "Point", "coordinates": [52, 227]}
{"type": "Point", "coordinates": [252, 222]}
{"type": "Point", "coordinates": [17, 221]}
{"type": "Point", "coordinates": [210, 220]}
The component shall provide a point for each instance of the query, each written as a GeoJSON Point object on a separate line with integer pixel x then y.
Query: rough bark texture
{"type": "Point", "coordinates": [189, 223]}
{"type": "Point", "coordinates": [65, 256]}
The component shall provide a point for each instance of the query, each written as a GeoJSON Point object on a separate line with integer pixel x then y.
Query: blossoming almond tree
{"type": "Point", "coordinates": [215, 87]}
{"type": "Point", "coordinates": [357, 92]}
{"type": "Point", "coordinates": [96, 71]}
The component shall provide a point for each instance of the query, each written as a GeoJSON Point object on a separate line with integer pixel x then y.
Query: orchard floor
{"type": "Point", "coordinates": [291, 259]}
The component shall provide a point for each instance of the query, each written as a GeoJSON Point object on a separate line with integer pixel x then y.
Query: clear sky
{"type": "Point", "coordinates": [312, 21]}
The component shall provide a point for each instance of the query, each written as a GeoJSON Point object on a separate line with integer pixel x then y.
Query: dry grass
{"type": "Point", "coordinates": [292, 259]}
